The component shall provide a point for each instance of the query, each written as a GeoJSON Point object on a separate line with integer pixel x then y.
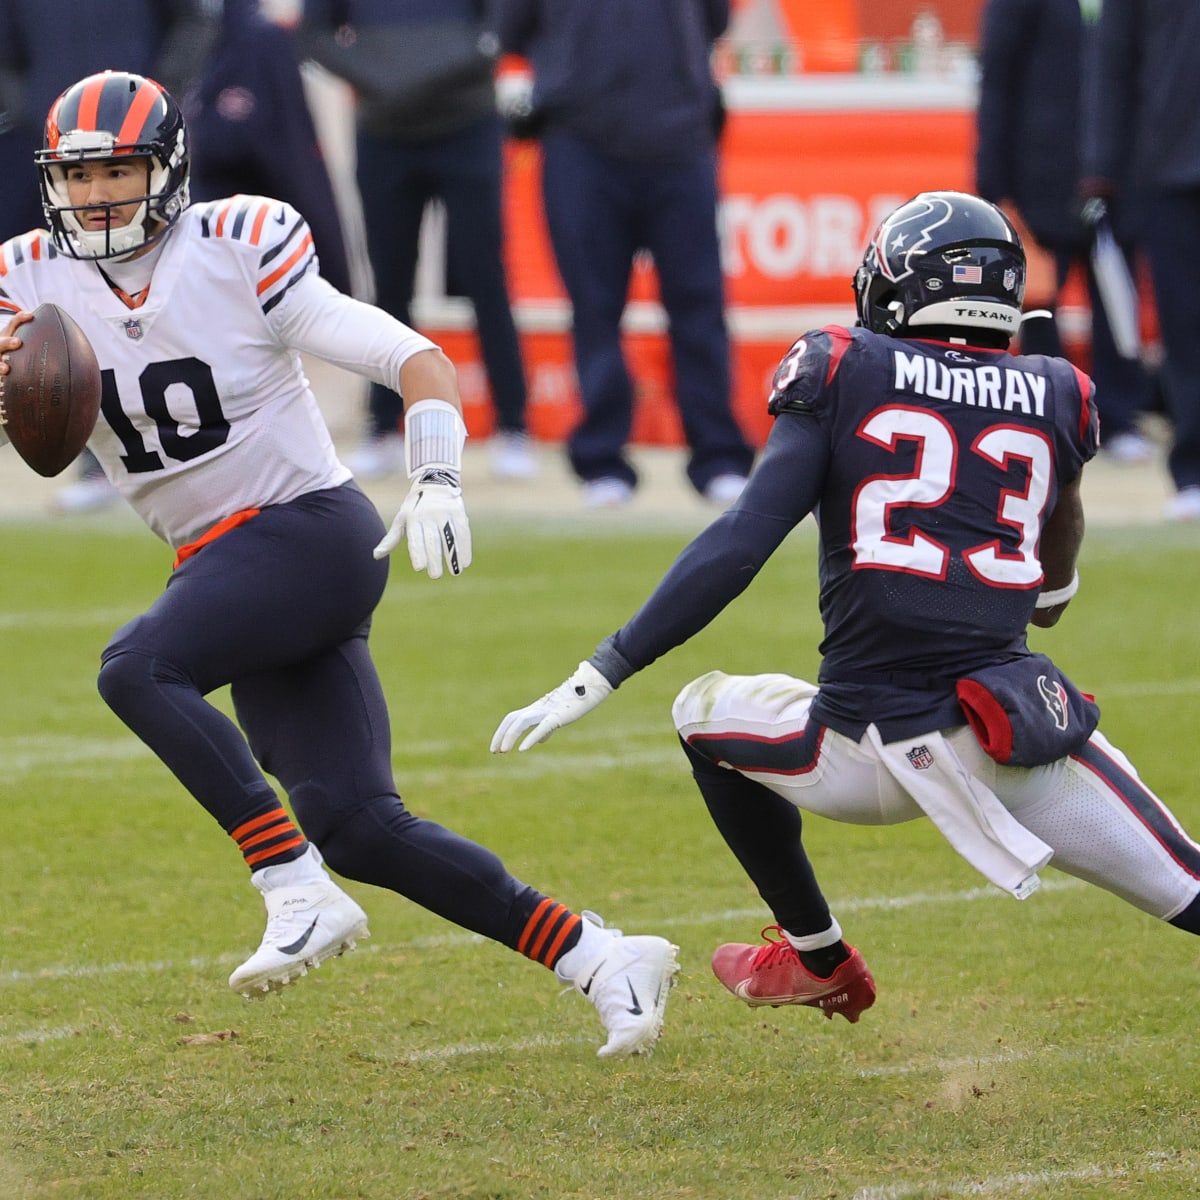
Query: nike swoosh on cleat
{"type": "Point", "coordinates": [587, 987]}
{"type": "Point", "coordinates": [636, 1010]}
{"type": "Point", "coordinates": [301, 941]}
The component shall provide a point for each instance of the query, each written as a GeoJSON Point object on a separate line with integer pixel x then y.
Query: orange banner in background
{"type": "Point", "coordinates": [801, 192]}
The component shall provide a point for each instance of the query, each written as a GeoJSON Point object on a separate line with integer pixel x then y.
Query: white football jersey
{"type": "Point", "coordinates": [206, 410]}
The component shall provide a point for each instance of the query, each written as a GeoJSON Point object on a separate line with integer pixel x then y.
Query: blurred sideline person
{"type": "Point", "coordinates": [628, 114]}
{"type": "Point", "coordinates": [440, 140]}
{"type": "Point", "coordinates": [208, 428]}
{"type": "Point", "coordinates": [252, 130]}
{"type": "Point", "coordinates": [42, 50]}
{"type": "Point", "coordinates": [1033, 58]}
{"type": "Point", "coordinates": [944, 473]}
{"type": "Point", "coordinates": [1142, 151]}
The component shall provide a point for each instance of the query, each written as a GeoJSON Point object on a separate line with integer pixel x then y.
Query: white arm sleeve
{"type": "Point", "coordinates": [318, 319]}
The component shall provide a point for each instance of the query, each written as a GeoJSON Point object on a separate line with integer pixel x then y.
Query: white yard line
{"type": "Point", "coordinates": [1015, 1183]}
{"type": "Point", "coordinates": [57, 619]}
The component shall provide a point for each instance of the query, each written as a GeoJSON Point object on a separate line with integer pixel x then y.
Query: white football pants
{"type": "Point", "coordinates": [1101, 821]}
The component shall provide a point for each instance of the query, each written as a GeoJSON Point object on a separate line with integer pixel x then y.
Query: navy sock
{"type": "Point", "coordinates": [763, 831]}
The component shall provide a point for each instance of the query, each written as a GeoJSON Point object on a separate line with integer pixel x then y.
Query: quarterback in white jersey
{"type": "Point", "coordinates": [209, 429]}
{"type": "Point", "coordinates": [206, 409]}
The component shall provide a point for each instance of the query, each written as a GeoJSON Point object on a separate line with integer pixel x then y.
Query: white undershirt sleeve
{"type": "Point", "coordinates": [318, 319]}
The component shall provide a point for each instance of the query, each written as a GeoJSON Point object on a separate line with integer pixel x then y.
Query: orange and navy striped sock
{"type": "Point", "coordinates": [269, 838]}
{"type": "Point", "coordinates": [550, 931]}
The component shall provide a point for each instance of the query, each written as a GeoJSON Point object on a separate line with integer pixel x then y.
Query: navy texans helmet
{"type": "Point", "coordinates": [946, 259]}
{"type": "Point", "coordinates": [104, 116]}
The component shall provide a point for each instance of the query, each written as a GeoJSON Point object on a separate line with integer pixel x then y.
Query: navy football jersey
{"type": "Point", "coordinates": [931, 469]}
{"type": "Point", "coordinates": [944, 462]}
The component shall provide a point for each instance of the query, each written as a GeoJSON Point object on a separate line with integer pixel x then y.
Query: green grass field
{"type": "Point", "coordinates": [1044, 1049]}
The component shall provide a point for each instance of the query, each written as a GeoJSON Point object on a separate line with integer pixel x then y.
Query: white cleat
{"type": "Point", "coordinates": [513, 456]}
{"type": "Point", "coordinates": [628, 983]}
{"type": "Point", "coordinates": [305, 926]}
{"type": "Point", "coordinates": [380, 456]}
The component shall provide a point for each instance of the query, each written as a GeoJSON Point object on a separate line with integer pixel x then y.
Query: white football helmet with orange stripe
{"type": "Point", "coordinates": [108, 114]}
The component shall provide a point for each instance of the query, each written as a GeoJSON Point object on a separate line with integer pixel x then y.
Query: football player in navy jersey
{"type": "Point", "coordinates": [944, 473]}
{"type": "Point", "coordinates": [197, 314]}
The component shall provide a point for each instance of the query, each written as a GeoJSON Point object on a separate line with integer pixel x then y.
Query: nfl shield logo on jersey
{"type": "Point", "coordinates": [920, 757]}
{"type": "Point", "coordinates": [133, 328]}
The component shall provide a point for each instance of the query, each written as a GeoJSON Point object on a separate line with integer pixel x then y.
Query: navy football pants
{"type": "Point", "coordinates": [280, 608]}
{"type": "Point", "coordinates": [600, 211]}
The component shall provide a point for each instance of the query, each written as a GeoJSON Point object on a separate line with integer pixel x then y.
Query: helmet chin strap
{"type": "Point", "coordinates": [147, 225]}
{"type": "Point", "coordinates": [109, 242]}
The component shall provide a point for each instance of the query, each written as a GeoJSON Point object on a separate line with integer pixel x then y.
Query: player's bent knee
{"type": "Point", "coordinates": [702, 765]}
{"type": "Point", "coordinates": [123, 679]}
{"type": "Point", "coordinates": [696, 699]}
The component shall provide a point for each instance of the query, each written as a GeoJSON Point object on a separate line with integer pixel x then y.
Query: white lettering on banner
{"type": "Point", "coordinates": [473, 387]}
{"type": "Point", "coordinates": [782, 235]}
{"type": "Point", "coordinates": [553, 384]}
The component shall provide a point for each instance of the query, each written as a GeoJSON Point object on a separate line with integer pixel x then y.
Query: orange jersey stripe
{"type": "Point", "coordinates": [139, 110]}
{"type": "Point", "coordinates": [220, 229]}
{"type": "Point", "coordinates": [283, 268]}
{"type": "Point", "coordinates": [252, 859]}
{"type": "Point", "coordinates": [256, 231]}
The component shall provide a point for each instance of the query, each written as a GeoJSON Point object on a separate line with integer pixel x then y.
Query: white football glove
{"type": "Point", "coordinates": [568, 702]}
{"type": "Point", "coordinates": [434, 519]}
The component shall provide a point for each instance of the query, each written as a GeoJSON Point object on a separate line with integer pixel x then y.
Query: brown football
{"type": "Point", "coordinates": [50, 398]}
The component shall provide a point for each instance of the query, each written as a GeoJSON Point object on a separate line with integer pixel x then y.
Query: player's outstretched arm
{"type": "Point", "coordinates": [433, 517]}
{"type": "Point", "coordinates": [572, 699]}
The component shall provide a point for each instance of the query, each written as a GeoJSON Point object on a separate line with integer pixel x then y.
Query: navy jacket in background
{"type": "Point", "coordinates": [1143, 105]}
{"type": "Point", "coordinates": [632, 77]}
{"type": "Point", "coordinates": [455, 105]}
{"type": "Point", "coordinates": [47, 45]}
{"type": "Point", "coordinates": [252, 132]}
{"type": "Point", "coordinates": [1028, 123]}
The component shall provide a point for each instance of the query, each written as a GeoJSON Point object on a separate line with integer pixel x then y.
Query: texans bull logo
{"type": "Point", "coordinates": [1054, 696]}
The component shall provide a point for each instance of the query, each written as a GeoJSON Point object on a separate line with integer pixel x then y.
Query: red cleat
{"type": "Point", "coordinates": [773, 974]}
